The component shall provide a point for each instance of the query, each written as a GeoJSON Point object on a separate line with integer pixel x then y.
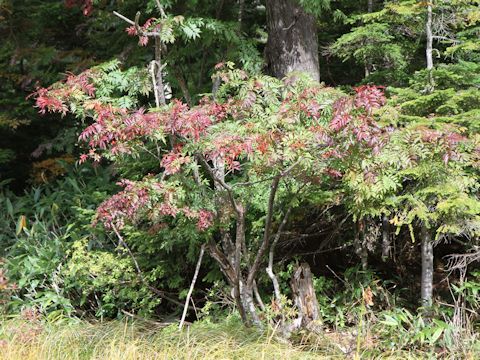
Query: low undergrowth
{"type": "Point", "coordinates": [33, 338]}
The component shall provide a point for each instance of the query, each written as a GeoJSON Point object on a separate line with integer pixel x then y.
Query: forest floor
{"type": "Point", "coordinates": [125, 340]}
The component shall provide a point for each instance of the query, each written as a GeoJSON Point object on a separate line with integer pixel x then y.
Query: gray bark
{"type": "Point", "coordinates": [359, 244]}
{"type": "Point", "coordinates": [386, 246]}
{"type": "Point", "coordinates": [427, 266]}
{"type": "Point", "coordinates": [292, 39]}
{"type": "Point", "coordinates": [269, 269]}
{"type": "Point", "coordinates": [429, 46]}
{"type": "Point", "coordinates": [367, 65]}
{"type": "Point", "coordinates": [159, 87]}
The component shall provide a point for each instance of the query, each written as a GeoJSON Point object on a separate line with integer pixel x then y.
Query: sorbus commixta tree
{"type": "Point", "coordinates": [255, 145]}
{"type": "Point", "coordinates": [258, 144]}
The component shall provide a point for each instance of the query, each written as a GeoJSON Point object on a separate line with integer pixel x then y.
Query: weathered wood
{"type": "Point", "coordinates": [304, 295]}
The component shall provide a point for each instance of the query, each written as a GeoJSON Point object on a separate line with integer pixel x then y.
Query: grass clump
{"type": "Point", "coordinates": [28, 339]}
{"type": "Point", "coordinates": [25, 340]}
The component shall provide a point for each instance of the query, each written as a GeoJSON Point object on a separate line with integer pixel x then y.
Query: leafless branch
{"type": "Point", "coordinates": [461, 261]}
{"type": "Point", "coordinates": [194, 280]}
{"type": "Point", "coordinates": [160, 9]}
{"type": "Point", "coordinates": [124, 18]}
{"type": "Point", "coordinates": [136, 24]}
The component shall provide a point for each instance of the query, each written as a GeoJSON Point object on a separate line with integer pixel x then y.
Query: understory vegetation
{"type": "Point", "coordinates": [239, 179]}
{"type": "Point", "coordinates": [228, 339]}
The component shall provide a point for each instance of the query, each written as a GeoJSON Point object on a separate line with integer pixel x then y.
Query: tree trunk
{"type": "Point", "coordinates": [159, 87]}
{"type": "Point", "coordinates": [292, 39]}
{"type": "Point", "coordinates": [359, 244]}
{"type": "Point", "coordinates": [427, 266]}
{"type": "Point", "coordinates": [429, 47]}
{"type": "Point", "coordinates": [367, 64]}
{"type": "Point", "coordinates": [386, 246]}
{"type": "Point", "coordinates": [304, 295]}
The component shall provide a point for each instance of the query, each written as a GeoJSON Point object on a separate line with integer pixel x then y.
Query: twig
{"type": "Point", "coordinates": [268, 223]}
{"type": "Point", "coordinates": [160, 9]}
{"type": "Point", "coordinates": [137, 26]}
{"type": "Point", "coordinates": [453, 306]}
{"type": "Point", "coordinates": [124, 244]}
{"type": "Point", "coordinates": [140, 273]}
{"type": "Point", "coordinates": [194, 280]}
{"type": "Point", "coordinates": [183, 85]}
{"type": "Point", "coordinates": [124, 18]}
{"type": "Point", "coordinates": [338, 277]}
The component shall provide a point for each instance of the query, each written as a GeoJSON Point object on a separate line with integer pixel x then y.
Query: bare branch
{"type": "Point", "coordinates": [183, 85]}
{"type": "Point", "coordinates": [194, 280]}
{"type": "Point", "coordinates": [124, 18]}
{"type": "Point", "coordinates": [258, 297]}
{"type": "Point", "coordinates": [124, 244]}
{"type": "Point", "coordinates": [283, 173]}
{"type": "Point", "coordinates": [136, 24]}
{"type": "Point", "coordinates": [160, 9]}
{"type": "Point", "coordinates": [444, 38]}
{"type": "Point", "coordinates": [461, 261]}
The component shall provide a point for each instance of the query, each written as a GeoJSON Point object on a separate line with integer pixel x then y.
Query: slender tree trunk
{"type": "Point", "coordinates": [367, 64]}
{"type": "Point", "coordinates": [159, 88]}
{"type": "Point", "coordinates": [386, 246]}
{"type": "Point", "coordinates": [241, 6]}
{"type": "Point", "coordinates": [271, 254]}
{"type": "Point", "coordinates": [292, 39]}
{"type": "Point", "coordinates": [359, 244]}
{"type": "Point", "coordinates": [183, 85]}
{"type": "Point", "coordinates": [427, 266]}
{"type": "Point", "coordinates": [429, 47]}
{"type": "Point", "coordinates": [232, 277]}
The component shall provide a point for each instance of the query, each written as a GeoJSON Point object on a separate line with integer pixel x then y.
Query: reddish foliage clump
{"type": "Point", "coordinates": [194, 132]}
{"type": "Point", "coordinates": [128, 204]}
{"type": "Point", "coordinates": [87, 5]}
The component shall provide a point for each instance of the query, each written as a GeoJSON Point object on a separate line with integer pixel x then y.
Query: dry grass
{"type": "Point", "coordinates": [28, 340]}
